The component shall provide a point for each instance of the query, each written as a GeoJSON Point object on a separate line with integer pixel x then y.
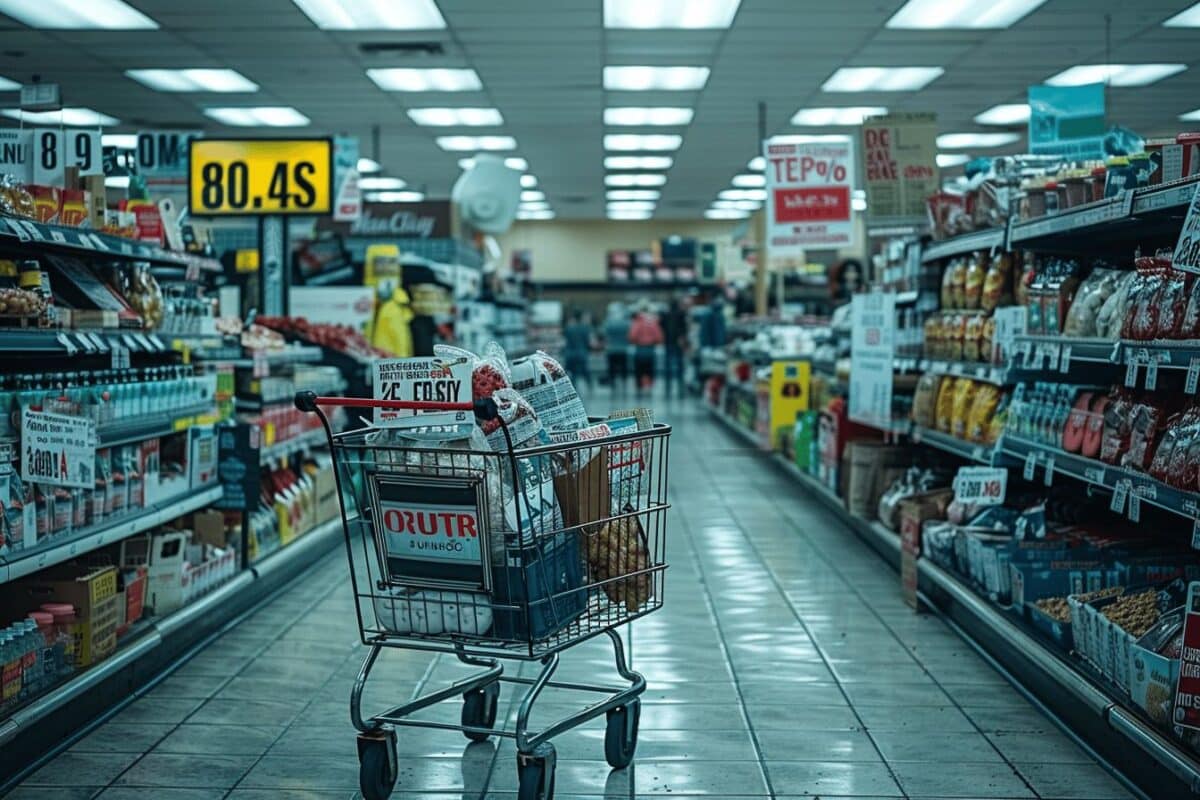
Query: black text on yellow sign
{"type": "Point", "coordinates": [232, 177]}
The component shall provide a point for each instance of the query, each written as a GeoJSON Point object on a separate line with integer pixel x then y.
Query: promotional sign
{"type": "Point", "coordinates": [1187, 247]}
{"type": "Point", "coordinates": [1011, 322]}
{"type": "Point", "coordinates": [162, 156]}
{"type": "Point", "coordinates": [426, 379]}
{"type": "Point", "coordinates": [334, 305]}
{"type": "Point", "coordinates": [16, 155]}
{"type": "Point", "coordinates": [789, 395]}
{"type": "Point", "coordinates": [428, 220]}
{"type": "Point", "coordinates": [872, 349]}
{"type": "Point", "coordinates": [981, 486]}
{"type": "Point", "coordinates": [347, 206]}
{"type": "Point", "coordinates": [900, 160]}
{"type": "Point", "coordinates": [1067, 120]}
{"type": "Point", "coordinates": [58, 450]}
{"type": "Point", "coordinates": [433, 531]}
{"type": "Point", "coordinates": [808, 195]}
{"type": "Point", "coordinates": [1187, 687]}
{"type": "Point", "coordinates": [236, 177]}
{"type": "Point", "coordinates": [56, 149]}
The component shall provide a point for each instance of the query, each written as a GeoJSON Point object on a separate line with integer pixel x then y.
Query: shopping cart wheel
{"type": "Point", "coordinates": [377, 766]}
{"type": "Point", "coordinates": [479, 710]}
{"type": "Point", "coordinates": [535, 771]}
{"type": "Point", "coordinates": [620, 734]}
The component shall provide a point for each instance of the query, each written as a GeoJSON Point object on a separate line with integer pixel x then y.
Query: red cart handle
{"type": "Point", "coordinates": [484, 409]}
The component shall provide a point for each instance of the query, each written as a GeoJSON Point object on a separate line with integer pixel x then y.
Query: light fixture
{"type": "Point", "coordinates": [837, 115]}
{"type": "Point", "coordinates": [655, 79]}
{"type": "Point", "coordinates": [116, 182]}
{"type": "Point", "coordinates": [394, 197]}
{"type": "Point", "coordinates": [534, 205]}
{"type": "Point", "coordinates": [1191, 116]}
{"type": "Point", "coordinates": [642, 141]}
{"type": "Point", "coordinates": [72, 115]}
{"type": "Point", "coordinates": [532, 195]}
{"type": "Point", "coordinates": [638, 162]}
{"type": "Point", "coordinates": [440, 79]}
{"type": "Point", "coordinates": [193, 80]}
{"type": "Point", "coordinates": [749, 181]}
{"type": "Point", "coordinates": [737, 205]}
{"type": "Point", "coordinates": [258, 116]}
{"type": "Point", "coordinates": [932, 14]}
{"type": "Point", "coordinates": [528, 181]}
{"type": "Point", "coordinates": [633, 194]}
{"type": "Point", "coordinates": [743, 194]}
{"type": "Point", "coordinates": [858, 200]}
{"type": "Point", "coordinates": [379, 182]}
{"type": "Point", "coordinates": [635, 179]}
{"type": "Point", "coordinates": [629, 215]}
{"type": "Point", "coordinates": [77, 14]}
{"type": "Point", "coordinates": [630, 205]}
{"type": "Point", "coordinates": [345, 15]}
{"type": "Point", "coordinates": [669, 13]}
{"type": "Point", "coordinates": [961, 141]}
{"type": "Point", "coordinates": [1004, 114]}
{"type": "Point", "coordinates": [757, 164]}
{"type": "Point", "coordinates": [644, 115]}
{"type": "Point", "coordinates": [881, 79]}
{"type": "Point", "coordinates": [461, 143]}
{"type": "Point", "coordinates": [1115, 74]}
{"type": "Point", "coordinates": [947, 160]}
{"type": "Point", "coordinates": [121, 141]}
{"type": "Point", "coordinates": [725, 213]}
{"type": "Point", "coordinates": [1188, 18]}
{"type": "Point", "coordinates": [531, 215]}
{"type": "Point", "coordinates": [512, 162]}
{"type": "Point", "coordinates": [368, 165]}
{"type": "Point", "coordinates": [446, 117]}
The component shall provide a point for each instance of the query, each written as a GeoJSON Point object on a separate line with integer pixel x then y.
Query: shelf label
{"type": "Point", "coordinates": [1196, 534]}
{"type": "Point", "coordinates": [1064, 361]}
{"type": "Point", "coordinates": [1048, 478]}
{"type": "Point", "coordinates": [85, 241]}
{"type": "Point", "coordinates": [1030, 465]}
{"type": "Point", "coordinates": [58, 236]}
{"type": "Point", "coordinates": [1094, 475]}
{"type": "Point", "coordinates": [1187, 685]}
{"type": "Point", "coordinates": [17, 228]}
{"type": "Point", "coordinates": [1131, 370]}
{"type": "Point", "coordinates": [99, 242]}
{"type": "Point", "coordinates": [1187, 246]}
{"type": "Point", "coordinates": [1135, 507]}
{"type": "Point", "coordinates": [57, 449]}
{"type": "Point", "coordinates": [1127, 198]}
{"type": "Point", "coordinates": [1152, 376]}
{"type": "Point", "coordinates": [1120, 492]}
{"type": "Point", "coordinates": [1193, 375]}
{"type": "Point", "coordinates": [35, 232]}
{"type": "Point", "coordinates": [981, 486]}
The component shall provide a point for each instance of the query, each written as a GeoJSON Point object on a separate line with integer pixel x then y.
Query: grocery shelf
{"type": "Point", "coordinates": [748, 435]}
{"type": "Point", "coordinates": [963, 243]}
{"type": "Point", "coordinates": [974, 370]}
{"type": "Point", "coordinates": [292, 354]}
{"type": "Point", "coordinates": [970, 451]}
{"type": "Point", "coordinates": [88, 243]}
{"type": "Point", "coordinates": [149, 426]}
{"type": "Point", "coordinates": [56, 551]}
{"type": "Point", "coordinates": [58, 341]}
{"type": "Point", "coordinates": [287, 447]}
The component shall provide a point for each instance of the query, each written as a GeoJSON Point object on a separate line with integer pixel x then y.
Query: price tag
{"type": "Point", "coordinates": [1131, 370]}
{"type": "Point", "coordinates": [35, 232]}
{"type": "Point", "coordinates": [58, 236]}
{"type": "Point", "coordinates": [1064, 361]}
{"type": "Point", "coordinates": [120, 356]}
{"type": "Point", "coordinates": [1120, 491]}
{"type": "Point", "coordinates": [100, 243]}
{"type": "Point", "coordinates": [1030, 465]}
{"type": "Point", "coordinates": [18, 229]}
{"type": "Point", "coordinates": [1127, 202]}
{"type": "Point", "coordinates": [85, 241]}
{"type": "Point", "coordinates": [1135, 507]}
{"type": "Point", "coordinates": [981, 486]}
{"type": "Point", "coordinates": [262, 368]}
{"type": "Point", "coordinates": [1048, 478]}
{"type": "Point", "coordinates": [1152, 376]}
{"type": "Point", "coordinates": [1193, 375]}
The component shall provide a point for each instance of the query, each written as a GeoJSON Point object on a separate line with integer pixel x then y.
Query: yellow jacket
{"type": "Point", "coordinates": [391, 331]}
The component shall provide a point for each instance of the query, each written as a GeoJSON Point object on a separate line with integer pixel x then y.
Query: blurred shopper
{"type": "Point", "coordinates": [712, 328]}
{"type": "Point", "coordinates": [646, 335]}
{"type": "Point", "coordinates": [616, 344]}
{"type": "Point", "coordinates": [576, 351]}
{"type": "Point", "coordinates": [675, 344]}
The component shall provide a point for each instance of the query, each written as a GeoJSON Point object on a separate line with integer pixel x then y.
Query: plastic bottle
{"type": "Point", "coordinates": [10, 672]}
{"type": "Point", "coordinates": [30, 685]}
{"type": "Point", "coordinates": [64, 646]}
{"type": "Point", "coordinates": [44, 625]}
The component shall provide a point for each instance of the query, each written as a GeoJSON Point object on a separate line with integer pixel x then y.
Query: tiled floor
{"type": "Point", "coordinates": [784, 664]}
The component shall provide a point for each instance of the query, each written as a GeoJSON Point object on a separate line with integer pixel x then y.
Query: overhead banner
{"type": "Point", "coordinates": [872, 349]}
{"type": "Point", "coordinates": [900, 158]}
{"type": "Point", "coordinates": [1067, 120]}
{"type": "Point", "coordinates": [162, 156]}
{"type": "Point", "coordinates": [808, 195]}
{"type": "Point", "coordinates": [238, 177]}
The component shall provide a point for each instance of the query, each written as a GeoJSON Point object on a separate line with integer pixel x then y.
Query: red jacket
{"type": "Point", "coordinates": [645, 331]}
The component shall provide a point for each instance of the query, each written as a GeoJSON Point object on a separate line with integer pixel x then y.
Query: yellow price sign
{"type": "Point", "coordinates": [235, 177]}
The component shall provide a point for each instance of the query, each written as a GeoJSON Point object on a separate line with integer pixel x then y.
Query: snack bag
{"type": "Point", "coordinates": [545, 384]}
{"type": "Point", "coordinates": [489, 372]}
{"type": "Point", "coordinates": [1084, 315]}
{"type": "Point", "coordinates": [945, 405]}
{"type": "Point", "coordinates": [965, 390]}
{"type": "Point", "coordinates": [1172, 304]}
{"type": "Point", "coordinates": [987, 398]}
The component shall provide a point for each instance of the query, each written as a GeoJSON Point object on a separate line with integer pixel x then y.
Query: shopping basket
{"type": "Point", "coordinates": [490, 555]}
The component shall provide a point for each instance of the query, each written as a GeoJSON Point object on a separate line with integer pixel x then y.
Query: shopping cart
{"type": "Point", "coordinates": [490, 555]}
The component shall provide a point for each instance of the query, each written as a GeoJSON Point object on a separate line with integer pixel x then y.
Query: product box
{"type": "Point", "coordinates": [202, 461]}
{"type": "Point", "coordinates": [915, 511]}
{"type": "Point", "coordinates": [148, 464]}
{"type": "Point", "coordinates": [208, 527]}
{"type": "Point", "coordinates": [1035, 581]}
{"type": "Point", "coordinates": [167, 557]}
{"type": "Point", "coordinates": [1058, 630]}
{"type": "Point", "coordinates": [131, 597]}
{"type": "Point", "coordinates": [873, 467]}
{"type": "Point", "coordinates": [93, 593]}
{"type": "Point", "coordinates": [19, 521]}
{"type": "Point", "coordinates": [549, 577]}
{"type": "Point", "coordinates": [325, 489]}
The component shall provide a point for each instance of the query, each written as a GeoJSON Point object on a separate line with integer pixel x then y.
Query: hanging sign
{"type": "Point", "coordinates": [56, 149]}
{"type": "Point", "coordinates": [162, 156]}
{"type": "Point", "coordinates": [16, 155]}
{"type": "Point", "coordinates": [238, 177]}
{"type": "Point", "coordinates": [808, 194]}
{"type": "Point", "coordinates": [1187, 685]}
{"type": "Point", "coordinates": [1067, 120]}
{"type": "Point", "coordinates": [872, 350]}
{"type": "Point", "coordinates": [347, 205]}
{"type": "Point", "coordinates": [427, 379]}
{"type": "Point", "coordinates": [57, 449]}
{"type": "Point", "coordinates": [1187, 247]}
{"type": "Point", "coordinates": [900, 160]}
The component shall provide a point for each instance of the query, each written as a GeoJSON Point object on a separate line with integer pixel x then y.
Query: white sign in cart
{"type": "Point", "coordinates": [427, 379]}
{"type": "Point", "coordinates": [872, 349]}
{"type": "Point", "coordinates": [58, 450]}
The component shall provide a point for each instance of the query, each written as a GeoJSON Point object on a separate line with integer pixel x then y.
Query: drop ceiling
{"type": "Point", "coordinates": [541, 62]}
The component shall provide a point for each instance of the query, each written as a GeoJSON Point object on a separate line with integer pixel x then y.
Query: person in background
{"type": "Point", "coordinates": [646, 335]}
{"type": "Point", "coordinates": [675, 343]}
{"type": "Point", "coordinates": [578, 336]}
{"type": "Point", "coordinates": [712, 328]}
{"type": "Point", "coordinates": [616, 344]}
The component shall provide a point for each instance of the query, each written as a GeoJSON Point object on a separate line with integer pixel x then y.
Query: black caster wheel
{"type": "Point", "coordinates": [479, 710]}
{"type": "Point", "coordinates": [620, 734]}
{"type": "Point", "coordinates": [536, 773]}
{"type": "Point", "coordinates": [377, 764]}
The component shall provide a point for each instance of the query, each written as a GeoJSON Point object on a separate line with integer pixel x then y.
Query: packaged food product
{"type": "Point", "coordinates": [946, 297]}
{"type": "Point", "coordinates": [999, 420]}
{"type": "Point", "coordinates": [972, 335]}
{"type": "Point", "coordinates": [945, 405]}
{"type": "Point", "coordinates": [987, 339]}
{"type": "Point", "coordinates": [1144, 430]}
{"type": "Point", "coordinates": [1034, 323]}
{"type": "Point", "coordinates": [1084, 314]}
{"type": "Point", "coordinates": [489, 373]}
{"type": "Point", "coordinates": [965, 390]}
{"type": "Point", "coordinates": [954, 335]}
{"type": "Point", "coordinates": [1073, 432]}
{"type": "Point", "coordinates": [1172, 304]}
{"type": "Point", "coordinates": [1093, 435]}
{"type": "Point", "coordinates": [958, 283]}
{"type": "Point", "coordinates": [15, 199]}
{"type": "Point", "coordinates": [987, 397]}
{"type": "Point", "coordinates": [925, 397]}
{"type": "Point", "coordinates": [1174, 431]}
{"type": "Point", "coordinates": [1024, 281]}
{"type": "Point", "coordinates": [1112, 313]}
{"type": "Point", "coordinates": [1141, 317]}
{"type": "Point", "coordinates": [933, 336]}
{"type": "Point", "coordinates": [997, 283]}
{"type": "Point", "coordinates": [973, 276]}
{"type": "Point", "coordinates": [1183, 466]}
{"type": "Point", "coordinates": [1189, 327]}
{"type": "Point", "coordinates": [1059, 290]}
{"type": "Point", "coordinates": [1117, 426]}
{"type": "Point", "coordinates": [545, 384]}
{"type": "Point", "coordinates": [620, 548]}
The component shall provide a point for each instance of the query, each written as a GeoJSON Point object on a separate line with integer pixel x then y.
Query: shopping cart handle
{"type": "Point", "coordinates": [484, 409]}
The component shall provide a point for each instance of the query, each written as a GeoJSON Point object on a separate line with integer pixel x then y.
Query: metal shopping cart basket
{"type": "Point", "coordinates": [489, 555]}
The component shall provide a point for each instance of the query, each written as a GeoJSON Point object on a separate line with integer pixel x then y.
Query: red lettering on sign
{"type": "Point", "coordinates": [431, 523]}
{"type": "Point", "coordinates": [809, 204]}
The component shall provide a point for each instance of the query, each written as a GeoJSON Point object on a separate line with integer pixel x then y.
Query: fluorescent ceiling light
{"type": "Point", "coordinates": [342, 15]}
{"type": "Point", "coordinates": [544, 214]}
{"type": "Point", "coordinates": [121, 141]}
{"type": "Point", "coordinates": [658, 14]}
{"type": "Point", "coordinates": [77, 116]}
{"type": "Point", "coordinates": [881, 79]}
{"type": "Point", "coordinates": [641, 115]}
{"type": "Point", "coordinates": [629, 215]}
{"type": "Point", "coordinates": [638, 162]}
{"type": "Point", "coordinates": [1188, 18]}
{"type": "Point", "coordinates": [7, 85]}
{"type": "Point", "coordinates": [528, 181]}
{"type": "Point", "coordinates": [633, 194]}
{"type": "Point", "coordinates": [193, 80]}
{"type": "Point", "coordinates": [743, 194]}
{"type": "Point", "coordinates": [1115, 74]}
{"type": "Point", "coordinates": [368, 165]}
{"type": "Point", "coordinates": [930, 14]}
{"type": "Point", "coordinates": [258, 116]}
{"type": "Point", "coordinates": [656, 79]}
{"type": "Point", "coordinates": [738, 205]}
{"type": "Point", "coordinates": [749, 181]}
{"type": "Point", "coordinates": [77, 14]}
{"type": "Point", "coordinates": [117, 182]}
{"type": "Point", "coordinates": [532, 195]}
{"type": "Point", "coordinates": [960, 141]}
{"type": "Point", "coordinates": [379, 182]}
{"type": "Point", "coordinates": [1191, 116]}
{"type": "Point", "coordinates": [512, 162]}
{"type": "Point", "coordinates": [945, 160]}
{"type": "Point", "coordinates": [534, 205]}
{"type": "Point", "coordinates": [1004, 114]}
{"type": "Point", "coordinates": [858, 203]}
{"type": "Point", "coordinates": [394, 197]}
{"type": "Point", "coordinates": [642, 141]}
{"type": "Point", "coordinates": [630, 205]}
{"type": "Point", "coordinates": [840, 115]}
{"type": "Point", "coordinates": [460, 143]}
{"type": "Point", "coordinates": [757, 164]}
{"type": "Point", "coordinates": [446, 117]}
{"type": "Point", "coordinates": [406, 79]}
{"type": "Point", "coordinates": [636, 179]}
{"type": "Point", "coordinates": [725, 213]}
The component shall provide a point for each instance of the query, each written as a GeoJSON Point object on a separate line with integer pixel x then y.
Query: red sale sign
{"type": "Point", "coordinates": [809, 184]}
{"type": "Point", "coordinates": [1187, 687]}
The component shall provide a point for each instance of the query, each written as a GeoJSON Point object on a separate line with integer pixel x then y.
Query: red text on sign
{"type": "Point", "coordinates": [809, 204]}
{"type": "Point", "coordinates": [431, 523]}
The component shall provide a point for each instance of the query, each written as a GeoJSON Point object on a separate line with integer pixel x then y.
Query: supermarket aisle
{"type": "Point", "coordinates": [784, 664]}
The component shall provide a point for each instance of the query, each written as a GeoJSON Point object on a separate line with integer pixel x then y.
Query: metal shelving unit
{"type": "Point", "coordinates": [287, 447]}
{"type": "Point", "coordinates": [963, 244]}
{"type": "Point", "coordinates": [969, 451]}
{"type": "Point", "coordinates": [90, 244]}
{"type": "Point", "coordinates": [149, 426]}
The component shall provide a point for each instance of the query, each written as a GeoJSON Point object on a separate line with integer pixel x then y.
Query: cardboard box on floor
{"type": "Point", "coordinates": [93, 593]}
{"type": "Point", "coordinates": [915, 511]}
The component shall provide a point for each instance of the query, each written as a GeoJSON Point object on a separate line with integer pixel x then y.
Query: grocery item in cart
{"type": "Point", "coordinates": [402, 610]}
{"type": "Point", "coordinates": [545, 384]}
{"type": "Point", "coordinates": [489, 372]}
{"type": "Point", "coordinates": [620, 548]}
